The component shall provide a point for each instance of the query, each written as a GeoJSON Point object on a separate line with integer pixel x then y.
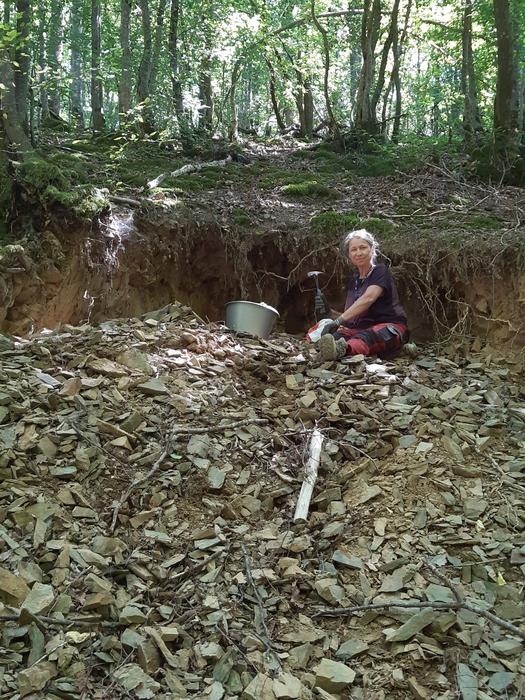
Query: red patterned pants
{"type": "Point", "coordinates": [383, 338]}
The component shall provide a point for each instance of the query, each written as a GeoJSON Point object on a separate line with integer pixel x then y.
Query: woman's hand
{"type": "Point", "coordinates": [332, 326]}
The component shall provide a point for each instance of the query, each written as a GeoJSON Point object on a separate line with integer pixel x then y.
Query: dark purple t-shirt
{"type": "Point", "coordinates": [386, 309]}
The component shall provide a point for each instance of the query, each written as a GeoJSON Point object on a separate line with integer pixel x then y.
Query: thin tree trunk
{"type": "Point", "coordinates": [176, 83]}
{"type": "Point", "coordinates": [273, 96]}
{"type": "Point", "coordinates": [308, 101]}
{"type": "Point", "coordinates": [397, 50]}
{"type": "Point", "coordinates": [366, 119]}
{"type": "Point", "coordinates": [233, 132]}
{"type": "Point", "coordinates": [157, 43]}
{"type": "Point", "coordinates": [77, 108]}
{"type": "Point", "coordinates": [7, 12]}
{"type": "Point", "coordinates": [96, 78]}
{"type": "Point", "coordinates": [205, 93]}
{"type": "Point", "coordinates": [506, 101]}
{"type": "Point", "coordinates": [22, 61]}
{"type": "Point", "coordinates": [42, 66]}
{"type": "Point", "coordinates": [392, 31]}
{"type": "Point", "coordinates": [471, 117]}
{"type": "Point", "coordinates": [15, 135]}
{"type": "Point", "coordinates": [124, 85]}
{"type": "Point", "coordinates": [144, 74]}
{"type": "Point", "coordinates": [333, 127]}
{"type": "Point", "coordinates": [54, 54]}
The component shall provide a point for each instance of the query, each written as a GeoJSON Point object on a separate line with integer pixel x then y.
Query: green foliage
{"type": "Point", "coordinates": [335, 222]}
{"type": "Point", "coordinates": [378, 226]}
{"type": "Point", "coordinates": [240, 217]}
{"type": "Point", "coordinates": [482, 221]}
{"type": "Point", "coordinates": [309, 188]}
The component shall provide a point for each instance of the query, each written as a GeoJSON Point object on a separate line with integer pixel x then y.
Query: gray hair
{"type": "Point", "coordinates": [365, 236]}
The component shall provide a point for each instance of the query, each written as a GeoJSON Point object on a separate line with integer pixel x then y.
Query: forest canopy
{"type": "Point", "coordinates": [181, 71]}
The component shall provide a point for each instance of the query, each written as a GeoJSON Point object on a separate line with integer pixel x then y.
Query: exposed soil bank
{"type": "Point", "coordinates": [135, 263]}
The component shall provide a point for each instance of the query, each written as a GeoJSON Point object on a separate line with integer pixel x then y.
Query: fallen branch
{"type": "Point", "coordinates": [459, 604]}
{"type": "Point", "coordinates": [188, 573]}
{"type": "Point", "coordinates": [186, 169]}
{"type": "Point", "coordinates": [124, 200]}
{"type": "Point", "coordinates": [310, 476]}
{"type": "Point", "coordinates": [261, 618]}
{"type": "Point", "coordinates": [172, 438]}
{"type": "Point", "coordinates": [50, 621]}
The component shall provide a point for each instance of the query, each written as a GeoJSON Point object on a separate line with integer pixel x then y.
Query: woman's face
{"type": "Point", "coordinates": [359, 252]}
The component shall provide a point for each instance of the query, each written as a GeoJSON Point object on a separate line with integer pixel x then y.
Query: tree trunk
{"type": "Point", "coordinates": [365, 118]}
{"type": "Point", "coordinates": [44, 104]}
{"type": "Point", "coordinates": [392, 31]}
{"type": "Point", "coordinates": [506, 128]}
{"type": "Point", "coordinates": [397, 50]}
{"type": "Point", "coordinates": [157, 43]}
{"type": "Point", "coordinates": [7, 12]}
{"type": "Point", "coordinates": [124, 85]}
{"type": "Point", "coordinates": [96, 78]}
{"type": "Point", "coordinates": [308, 98]}
{"type": "Point", "coordinates": [471, 117]}
{"type": "Point", "coordinates": [273, 96]}
{"type": "Point", "coordinates": [54, 54]}
{"type": "Point", "coordinates": [333, 127]}
{"type": "Point", "coordinates": [22, 61]}
{"type": "Point", "coordinates": [144, 74]}
{"type": "Point", "coordinates": [176, 83]}
{"type": "Point", "coordinates": [205, 93]}
{"type": "Point", "coordinates": [233, 132]}
{"type": "Point", "coordinates": [77, 109]}
{"type": "Point", "coordinates": [14, 133]}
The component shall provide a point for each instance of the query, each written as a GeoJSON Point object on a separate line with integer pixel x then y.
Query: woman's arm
{"type": "Point", "coordinates": [362, 304]}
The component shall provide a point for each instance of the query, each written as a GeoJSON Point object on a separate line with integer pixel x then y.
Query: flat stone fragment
{"type": "Point", "coordinates": [215, 478]}
{"type": "Point", "coordinates": [134, 359]}
{"type": "Point", "coordinates": [13, 589]}
{"type": "Point", "coordinates": [411, 627]}
{"type": "Point", "coordinates": [333, 676]}
{"type": "Point", "coordinates": [35, 678]}
{"type": "Point", "coordinates": [287, 686]}
{"type": "Point", "coordinates": [260, 688]}
{"type": "Point", "coordinates": [330, 590]}
{"type": "Point", "coordinates": [39, 599]}
{"type": "Point", "coordinates": [474, 507]}
{"type": "Point", "coordinates": [342, 557]}
{"type": "Point", "coordinates": [153, 387]}
{"type": "Point", "coordinates": [507, 647]}
{"type": "Point", "coordinates": [131, 615]}
{"type": "Point", "coordinates": [350, 648]}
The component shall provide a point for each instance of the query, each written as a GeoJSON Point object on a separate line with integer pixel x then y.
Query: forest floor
{"type": "Point", "coordinates": [150, 469]}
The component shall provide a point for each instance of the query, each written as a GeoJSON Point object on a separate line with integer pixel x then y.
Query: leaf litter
{"type": "Point", "coordinates": [149, 471]}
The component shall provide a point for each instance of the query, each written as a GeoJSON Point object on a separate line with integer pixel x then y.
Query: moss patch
{"type": "Point", "coordinates": [310, 188]}
{"type": "Point", "coordinates": [334, 222]}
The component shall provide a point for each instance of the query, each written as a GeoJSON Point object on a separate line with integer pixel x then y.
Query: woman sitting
{"type": "Point", "coordinates": [373, 322]}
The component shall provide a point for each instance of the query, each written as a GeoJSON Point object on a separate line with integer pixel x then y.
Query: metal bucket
{"type": "Point", "coordinates": [249, 317]}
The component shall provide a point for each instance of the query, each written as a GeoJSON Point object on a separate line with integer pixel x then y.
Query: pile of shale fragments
{"type": "Point", "coordinates": [149, 472]}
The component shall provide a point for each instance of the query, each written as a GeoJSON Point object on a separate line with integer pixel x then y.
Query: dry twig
{"type": "Point", "coordinates": [173, 436]}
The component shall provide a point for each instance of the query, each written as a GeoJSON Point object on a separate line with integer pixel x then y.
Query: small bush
{"type": "Point", "coordinates": [310, 188]}
{"type": "Point", "coordinates": [240, 217]}
{"type": "Point", "coordinates": [378, 226]}
{"type": "Point", "coordinates": [334, 222]}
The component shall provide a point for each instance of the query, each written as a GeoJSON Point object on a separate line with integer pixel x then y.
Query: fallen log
{"type": "Point", "coordinates": [190, 168]}
{"type": "Point", "coordinates": [310, 476]}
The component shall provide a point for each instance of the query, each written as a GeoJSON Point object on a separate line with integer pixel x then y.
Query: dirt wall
{"type": "Point", "coordinates": [133, 265]}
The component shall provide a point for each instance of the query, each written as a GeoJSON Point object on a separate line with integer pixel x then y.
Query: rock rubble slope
{"type": "Point", "coordinates": [149, 470]}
